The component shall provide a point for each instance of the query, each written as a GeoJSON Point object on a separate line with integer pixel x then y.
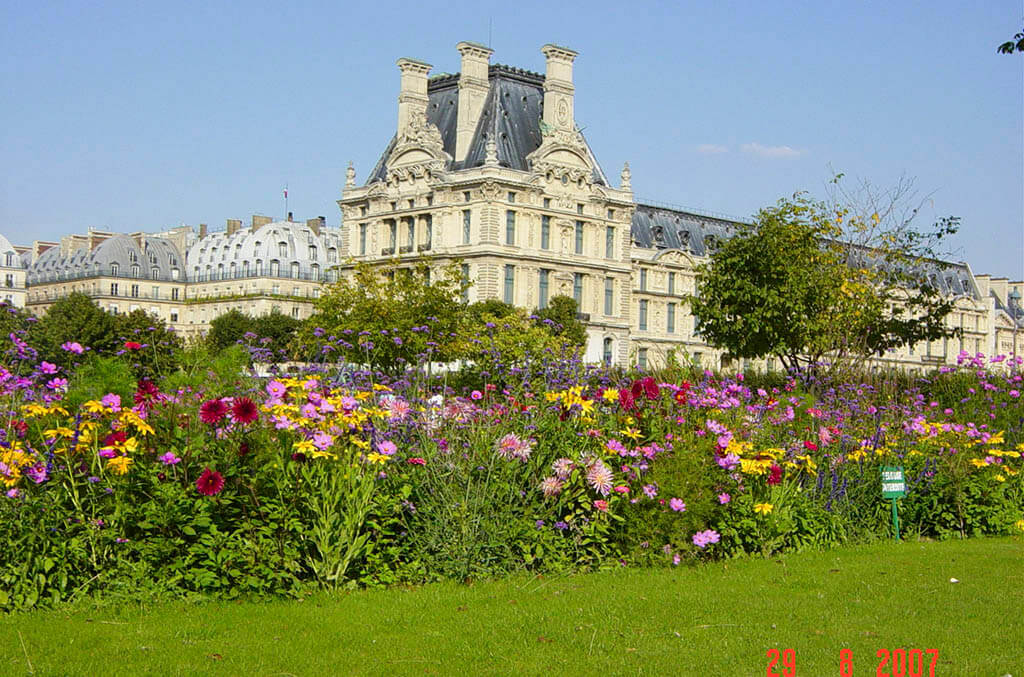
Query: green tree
{"type": "Point", "coordinates": [275, 332]}
{"type": "Point", "coordinates": [388, 316]}
{"type": "Point", "coordinates": [496, 344]}
{"type": "Point", "coordinates": [560, 318]}
{"type": "Point", "coordinates": [1011, 46]}
{"type": "Point", "coordinates": [228, 329]}
{"type": "Point", "coordinates": [73, 318]}
{"type": "Point", "coordinates": [810, 283]}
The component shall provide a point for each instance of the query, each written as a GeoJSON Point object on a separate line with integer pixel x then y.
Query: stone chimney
{"type": "Point", "coordinates": [558, 88]}
{"type": "Point", "coordinates": [259, 221]}
{"type": "Point", "coordinates": [314, 225]}
{"type": "Point", "coordinates": [202, 230]}
{"type": "Point", "coordinates": [473, 86]}
{"type": "Point", "coordinates": [412, 94]}
{"type": "Point", "coordinates": [234, 225]}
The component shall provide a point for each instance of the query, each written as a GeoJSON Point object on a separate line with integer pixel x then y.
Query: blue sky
{"type": "Point", "coordinates": [128, 117]}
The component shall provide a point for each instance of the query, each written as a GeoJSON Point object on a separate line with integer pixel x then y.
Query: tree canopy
{"type": "Point", "coordinates": [811, 282]}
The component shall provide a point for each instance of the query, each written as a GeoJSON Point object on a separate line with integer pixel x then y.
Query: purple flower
{"type": "Point", "coordinates": [169, 458]}
{"type": "Point", "coordinates": [387, 448]}
{"type": "Point", "coordinates": [73, 347]}
{"type": "Point", "coordinates": [47, 367]}
{"type": "Point", "coordinates": [561, 526]}
{"type": "Point", "coordinates": [677, 504]}
{"type": "Point", "coordinates": [702, 539]}
{"type": "Point", "coordinates": [650, 490]}
{"type": "Point", "coordinates": [724, 498]}
{"type": "Point", "coordinates": [476, 395]}
{"type": "Point", "coordinates": [276, 389]}
{"type": "Point", "coordinates": [111, 401]}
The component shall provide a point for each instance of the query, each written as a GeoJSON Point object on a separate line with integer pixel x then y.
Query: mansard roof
{"type": "Point", "coordinates": [511, 114]}
{"type": "Point", "coordinates": [667, 228]}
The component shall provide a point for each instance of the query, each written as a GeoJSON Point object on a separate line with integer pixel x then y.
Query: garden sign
{"type": "Point", "coordinates": [893, 488]}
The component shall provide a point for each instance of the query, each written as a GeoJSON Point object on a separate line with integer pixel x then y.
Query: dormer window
{"type": "Point", "coordinates": [282, 249]}
{"type": "Point", "coordinates": [312, 253]}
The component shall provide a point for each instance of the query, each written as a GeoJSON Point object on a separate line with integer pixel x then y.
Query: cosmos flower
{"type": "Point", "coordinates": [677, 504]}
{"type": "Point", "coordinates": [702, 539]}
{"type": "Point", "coordinates": [276, 389]}
{"type": "Point", "coordinates": [210, 482]}
{"type": "Point", "coordinates": [72, 347]}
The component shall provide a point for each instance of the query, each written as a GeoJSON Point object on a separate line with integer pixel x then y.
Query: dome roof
{"type": "Point", "coordinates": [9, 257]}
{"type": "Point", "coordinates": [282, 245]}
{"type": "Point", "coordinates": [151, 258]}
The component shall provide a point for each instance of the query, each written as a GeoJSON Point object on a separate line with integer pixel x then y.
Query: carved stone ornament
{"type": "Point", "coordinates": [626, 178]}
{"type": "Point", "coordinates": [350, 176]}
{"type": "Point", "coordinates": [418, 153]}
{"type": "Point", "coordinates": [490, 190]}
{"type": "Point", "coordinates": [562, 154]}
{"type": "Point", "coordinates": [491, 149]}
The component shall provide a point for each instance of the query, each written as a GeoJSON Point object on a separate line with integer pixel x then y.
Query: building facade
{"type": "Point", "coordinates": [487, 167]}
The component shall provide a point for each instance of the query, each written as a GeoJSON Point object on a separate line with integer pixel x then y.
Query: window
{"type": "Point", "coordinates": [510, 283]}
{"type": "Point", "coordinates": [429, 223]}
{"type": "Point", "coordinates": [312, 252]}
{"type": "Point", "coordinates": [154, 273]}
{"type": "Point", "coordinates": [641, 358]}
{"type": "Point", "coordinates": [671, 283]}
{"type": "Point", "coordinates": [579, 237]}
{"type": "Point", "coordinates": [510, 227]}
{"type": "Point", "coordinates": [547, 203]}
{"type": "Point", "coordinates": [545, 232]}
{"type": "Point", "coordinates": [542, 301]}
{"type": "Point", "coordinates": [174, 294]}
{"type": "Point", "coordinates": [114, 268]}
{"type": "Point", "coordinates": [393, 233]}
{"type": "Point", "coordinates": [465, 283]}
{"type": "Point", "coordinates": [670, 323]}
{"type": "Point", "coordinates": [577, 290]}
{"type": "Point", "coordinates": [412, 203]}
{"type": "Point", "coordinates": [332, 255]}
{"type": "Point", "coordinates": [410, 239]}
{"type": "Point", "coordinates": [295, 312]}
{"type": "Point", "coordinates": [611, 214]}
{"type": "Point", "coordinates": [465, 196]}
{"type": "Point", "coordinates": [771, 364]}
{"type": "Point", "coordinates": [174, 316]}
{"type": "Point", "coordinates": [295, 269]}
{"type": "Point", "coordinates": [275, 289]}
{"type": "Point", "coordinates": [282, 249]}
{"type": "Point", "coordinates": [643, 315]}
{"type": "Point", "coordinates": [8, 281]}
{"type": "Point", "coordinates": [466, 224]}
{"type": "Point", "coordinates": [9, 259]}
{"type": "Point", "coordinates": [275, 268]}
{"type": "Point", "coordinates": [135, 291]}
{"type": "Point", "coordinates": [643, 279]}
{"type": "Point", "coordinates": [607, 354]}
{"type": "Point", "coordinates": [511, 197]}
{"type": "Point", "coordinates": [315, 271]}
{"type": "Point", "coordinates": [174, 273]}
{"type": "Point", "coordinates": [609, 242]}
{"type": "Point", "coordinates": [155, 293]}
{"type": "Point", "coordinates": [220, 271]}
{"type": "Point", "coordinates": [579, 207]}
{"type": "Point", "coordinates": [362, 210]}
{"type": "Point", "coordinates": [259, 267]}
{"type": "Point", "coordinates": [113, 289]}
{"type": "Point", "coordinates": [609, 296]}
{"type": "Point", "coordinates": [362, 239]}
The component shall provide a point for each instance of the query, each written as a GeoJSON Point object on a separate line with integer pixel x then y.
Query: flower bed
{"type": "Point", "coordinates": [255, 487]}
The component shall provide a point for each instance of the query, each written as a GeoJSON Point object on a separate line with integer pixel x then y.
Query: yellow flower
{"type": "Point", "coordinates": [996, 439]}
{"type": "Point", "coordinates": [979, 462]}
{"type": "Point", "coordinates": [631, 433]}
{"type": "Point", "coordinates": [374, 457]}
{"type": "Point", "coordinates": [611, 396]}
{"type": "Point", "coordinates": [999, 478]}
{"type": "Point", "coordinates": [94, 407]}
{"type": "Point", "coordinates": [304, 446]}
{"type": "Point", "coordinates": [378, 387]}
{"type": "Point", "coordinates": [119, 464]}
{"type": "Point", "coordinates": [1019, 524]}
{"type": "Point", "coordinates": [753, 466]}
{"type": "Point", "coordinates": [60, 432]}
{"type": "Point", "coordinates": [763, 508]}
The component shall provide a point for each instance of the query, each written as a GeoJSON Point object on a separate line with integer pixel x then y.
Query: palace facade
{"type": "Point", "coordinates": [489, 168]}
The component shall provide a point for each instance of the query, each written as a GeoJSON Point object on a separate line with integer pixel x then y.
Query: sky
{"type": "Point", "coordinates": [145, 116]}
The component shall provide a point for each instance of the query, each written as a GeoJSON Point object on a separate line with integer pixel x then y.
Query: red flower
{"type": "Point", "coordinates": [680, 396]}
{"type": "Point", "coordinates": [213, 411]}
{"type": "Point", "coordinates": [651, 389]}
{"type": "Point", "coordinates": [601, 505]}
{"type": "Point", "coordinates": [636, 390]}
{"type": "Point", "coordinates": [776, 474]}
{"type": "Point", "coordinates": [113, 438]}
{"type": "Point", "coordinates": [132, 345]}
{"type": "Point", "coordinates": [626, 400]}
{"type": "Point", "coordinates": [244, 410]}
{"type": "Point", "coordinates": [145, 391]}
{"type": "Point", "coordinates": [210, 483]}
{"type": "Point", "coordinates": [810, 446]}
{"type": "Point", "coordinates": [416, 460]}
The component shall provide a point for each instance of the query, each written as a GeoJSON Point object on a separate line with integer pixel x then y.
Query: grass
{"type": "Point", "coordinates": [718, 619]}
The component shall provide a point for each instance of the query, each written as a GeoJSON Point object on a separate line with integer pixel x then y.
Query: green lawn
{"type": "Point", "coordinates": [713, 620]}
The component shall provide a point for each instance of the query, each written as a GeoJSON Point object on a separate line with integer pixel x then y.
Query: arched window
{"type": "Point", "coordinates": [608, 351]}
{"type": "Point", "coordinates": [295, 269]}
{"type": "Point", "coordinates": [174, 273]}
{"type": "Point", "coordinates": [332, 255]}
{"type": "Point", "coordinates": [259, 266]}
{"type": "Point", "coordinates": [154, 273]}
{"type": "Point", "coordinates": [312, 252]}
{"type": "Point", "coordinates": [275, 268]}
{"type": "Point", "coordinates": [220, 271]}
{"type": "Point", "coordinates": [245, 268]}
{"type": "Point", "coordinates": [234, 270]}
{"type": "Point", "coordinates": [114, 268]}
{"type": "Point", "coordinates": [316, 271]}
{"type": "Point", "coordinates": [282, 249]}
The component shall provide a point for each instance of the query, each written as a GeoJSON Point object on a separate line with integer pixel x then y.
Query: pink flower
{"type": "Point", "coordinates": [476, 395]}
{"type": "Point", "coordinates": [601, 505]}
{"type": "Point", "coordinates": [276, 389]}
{"type": "Point", "coordinates": [73, 347]}
{"type": "Point", "coordinates": [169, 458]}
{"type": "Point", "coordinates": [210, 482]}
{"type": "Point", "coordinates": [676, 559]}
{"type": "Point", "coordinates": [677, 504]}
{"type": "Point", "coordinates": [416, 460]}
{"type": "Point", "coordinates": [702, 539]}
{"type": "Point", "coordinates": [621, 489]}
{"type": "Point", "coordinates": [724, 498]}
{"type": "Point", "coordinates": [387, 447]}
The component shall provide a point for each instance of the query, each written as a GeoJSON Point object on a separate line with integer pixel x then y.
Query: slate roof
{"type": "Point", "coordinates": [512, 113]}
{"type": "Point", "coordinates": [665, 228]}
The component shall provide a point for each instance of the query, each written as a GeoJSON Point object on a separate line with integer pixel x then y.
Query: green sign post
{"type": "Point", "coordinates": [894, 488]}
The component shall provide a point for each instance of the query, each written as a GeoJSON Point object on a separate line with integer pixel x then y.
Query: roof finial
{"type": "Point", "coordinates": [350, 176]}
{"type": "Point", "coordinates": [491, 148]}
{"type": "Point", "coordinates": [626, 176]}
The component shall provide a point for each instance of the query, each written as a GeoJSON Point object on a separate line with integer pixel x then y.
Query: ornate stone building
{"type": "Point", "coordinates": [487, 167]}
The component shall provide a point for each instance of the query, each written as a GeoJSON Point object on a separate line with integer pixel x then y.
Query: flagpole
{"type": "Point", "coordinates": [286, 202]}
